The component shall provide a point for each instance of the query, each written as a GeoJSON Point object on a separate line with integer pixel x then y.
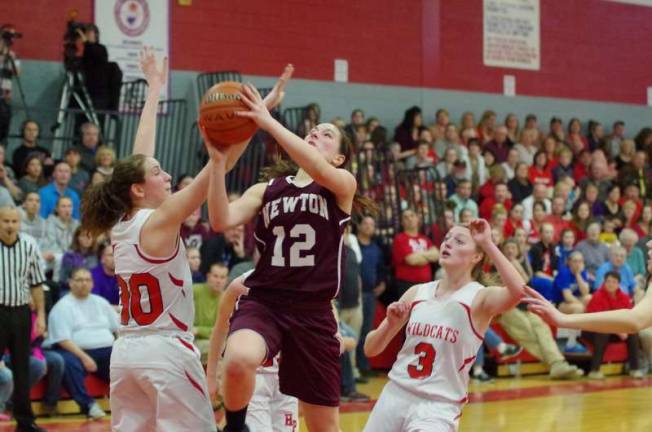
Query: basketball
{"type": "Point", "coordinates": [217, 112]}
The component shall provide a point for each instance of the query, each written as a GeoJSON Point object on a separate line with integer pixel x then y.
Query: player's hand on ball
{"type": "Point", "coordinates": [258, 112]}
{"type": "Point", "coordinates": [154, 74]}
{"type": "Point", "coordinates": [539, 305]}
{"type": "Point", "coordinates": [398, 312]}
{"type": "Point", "coordinates": [275, 97]}
{"type": "Point", "coordinates": [215, 153]}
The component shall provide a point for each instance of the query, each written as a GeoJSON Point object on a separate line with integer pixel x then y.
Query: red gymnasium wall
{"type": "Point", "coordinates": [590, 49]}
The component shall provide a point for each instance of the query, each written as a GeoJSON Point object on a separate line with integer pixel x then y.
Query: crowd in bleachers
{"type": "Point", "coordinates": [571, 209]}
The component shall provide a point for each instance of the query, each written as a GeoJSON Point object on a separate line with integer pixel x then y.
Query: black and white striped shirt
{"type": "Point", "coordinates": [20, 270]}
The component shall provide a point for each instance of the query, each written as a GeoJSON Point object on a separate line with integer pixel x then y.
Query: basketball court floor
{"type": "Point", "coordinates": [529, 404]}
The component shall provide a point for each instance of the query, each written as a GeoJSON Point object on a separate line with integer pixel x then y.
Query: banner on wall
{"type": "Point", "coordinates": [128, 25]}
{"type": "Point", "coordinates": [511, 36]}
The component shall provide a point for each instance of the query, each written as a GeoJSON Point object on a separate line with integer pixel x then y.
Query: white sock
{"type": "Point", "coordinates": [501, 347]}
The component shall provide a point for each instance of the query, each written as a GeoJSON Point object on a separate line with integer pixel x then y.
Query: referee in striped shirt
{"type": "Point", "coordinates": [21, 277]}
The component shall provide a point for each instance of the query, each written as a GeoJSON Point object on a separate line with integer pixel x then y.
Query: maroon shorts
{"type": "Point", "coordinates": [309, 368]}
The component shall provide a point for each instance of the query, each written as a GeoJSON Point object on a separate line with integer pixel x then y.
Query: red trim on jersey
{"type": "Point", "coordinates": [466, 362]}
{"type": "Point", "coordinates": [157, 260]}
{"type": "Point", "coordinates": [177, 282]}
{"type": "Point", "coordinates": [178, 323]}
{"type": "Point", "coordinates": [414, 303]}
{"type": "Point", "coordinates": [195, 384]}
{"type": "Point", "coordinates": [468, 313]}
{"type": "Point", "coordinates": [186, 344]}
{"type": "Point", "coordinates": [464, 400]}
{"type": "Point", "coordinates": [458, 416]}
{"type": "Point", "coordinates": [268, 363]}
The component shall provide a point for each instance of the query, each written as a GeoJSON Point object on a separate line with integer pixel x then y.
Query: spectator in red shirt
{"type": "Point", "coordinates": [581, 166]}
{"type": "Point", "coordinates": [557, 129]}
{"type": "Point", "coordinates": [499, 219]}
{"type": "Point", "coordinates": [496, 175]}
{"type": "Point", "coordinates": [514, 221]}
{"type": "Point", "coordinates": [501, 196]}
{"type": "Point", "coordinates": [557, 218]}
{"type": "Point", "coordinates": [610, 297]}
{"type": "Point", "coordinates": [412, 254]}
{"type": "Point", "coordinates": [540, 171]}
{"type": "Point", "coordinates": [575, 139]}
{"type": "Point", "coordinates": [487, 126]}
{"type": "Point", "coordinates": [500, 145]}
{"type": "Point", "coordinates": [438, 231]}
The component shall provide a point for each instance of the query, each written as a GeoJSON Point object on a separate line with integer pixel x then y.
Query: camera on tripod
{"type": "Point", "coordinates": [72, 44]}
{"type": "Point", "coordinates": [9, 34]}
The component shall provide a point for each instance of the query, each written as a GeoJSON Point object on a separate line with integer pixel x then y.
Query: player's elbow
{"type": "Point", "coordinates": [371, 348]}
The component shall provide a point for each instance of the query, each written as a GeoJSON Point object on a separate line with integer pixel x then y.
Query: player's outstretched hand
{"type": "Point", "coordinates": [398, 312]}
{"type": "Point", "coordinates": [275, 97]}
{"type": "Point", "coordinates": [537, 304]}
{"type": "Point", "coordinates": [216, 153]}
{"type": "Point", "coordinates": [480, 232]}
{"type": "Point", "coordinates": [258, 112]}
{"type": "Point", "coordinates": [156, 75]}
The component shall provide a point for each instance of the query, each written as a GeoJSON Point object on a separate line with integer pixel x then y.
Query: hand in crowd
{"type": "Point", "coordinates": [89, 363]}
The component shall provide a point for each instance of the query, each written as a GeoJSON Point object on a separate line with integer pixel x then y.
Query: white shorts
{"type": "Point", "coordinates": [398, 410]}
{"type": "Point", "coordinates": [269, 409]}
{"type": "Point", "coordinates": [158, 384]}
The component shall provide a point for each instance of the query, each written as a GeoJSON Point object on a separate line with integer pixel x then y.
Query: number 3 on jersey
{"type": "Point", "coordinates": [427, 355]}
{"type": "Point", "coordinates": [130, 298]}
{"type": "Point", "coordinates": [300, 231]}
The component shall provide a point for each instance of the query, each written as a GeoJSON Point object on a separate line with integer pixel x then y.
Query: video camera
{"type": "Point", "coordinates": [8, 34]}
{"type": "Point", "coordinates": [71, 57]}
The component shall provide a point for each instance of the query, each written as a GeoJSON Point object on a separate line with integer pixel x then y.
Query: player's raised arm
{"type": "Point", "coordinates": [221, 330]}
{"type": "Point", "coordinates": [325, 172]}
{"type": "Point", "coordinates": [156, 75]}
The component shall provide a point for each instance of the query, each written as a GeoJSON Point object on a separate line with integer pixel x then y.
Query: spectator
{"type": "Point", "coordinates": [31, 222]}
{"type": "Point", "coordinates": [5, 198]}
{"type": "Point", "coordinates": [596, 136]}
{"type": "Point", "coordinates": [635, 258]}
{"type": "Point", "coordinates": [594, 252]}
{"type": "Point", "coordinates": [311, 116]}
{"type": "Point", "coordinates": [616, 138]}
{"type": "Point", "coordinates": [581, 165]}
{"type": "Point", "coordinates": [357, 119]}
{"type": "Point", "coordinates": [82, 327]}
{"type": "Point", "coordinates": [476, 170]}
{"type": "Point", "coordinates": [495, 343]}
{"type": "Point", "coordinates": [105, 283]}
{"type": "Point", "coordinates": [512, 251]}
{"type": "Point", "coordinates": [104, 160]}
{"type": "Point", "coordinates": [513, 131]}
{"type": "Point", "coordinates": [534, 335]}
{"type": "Point", "coordinates": [33, 179]}
{"type": "Point", "coordinates": [524, 246]}
{"type": "Point", "coordinates": [487, 127]}
{"type": "Point", "coordinates": [630, 216]}
{"type": "Point", "coordinates": [520, 186]}
{"type": "Point", "coordinates": [60, 229]}
{"type": "Point", "coordinates": [510, 164]}
{"type": "Point", "coordinates": [611, 206]}
{"type": "Point", "coordinates": [372, 273]}
{"type": "Point", "coordinates": [348, 391]}
{"type": "Point", "coordinates": [407, 133]}
{"type": "Point", "coordinates": [6, 389]}
{"type": "Point", "coordinates": [539, 193]}
{"type": "Point", "coordinates": [565, 166]}
{"type": "Point", "coordinates": [466, 216]}
{"type": "Point", "coordinates": [467, 121]}
{"type": "Point", "coordinates": [608, 235]}
{"type": "Point", "coordinates": [626, 154]}
{"type": "Point", "coordinates": [183, 181]}
{"type": "Point", "coordinates": [500, 196]}
{"type": "Point", "coordinates": [462, 199]}
{"type": "Point", "coordinates": [424, 158]}
{"type": "Point", "coordinates": [500, 145]}
{"type": "Point", "coordinates": [557, 218]}
{"type": "Point", "coordinates": [572, 290]}
{"type": "Point", "coordinates": [207, 300]}
{"type": "Point", "coordinates": [23, 279]}
{"type": "Point", "coordinates": [194, 231]}
{"type": "Point", "coordinates": [565, 247]}
{"type": "Point", "coordinates": [581, 219]}
{"type": "Point", "coordinates": [8, 178]}
{"type": "Point", "coordinates": [29, 146]}
{"type": "Point", "coordinates": [194, 261]}
{"type": "Point", "coordinates": [81, 254]}
{"type": "Point", "coordinates": [551, 148]}
{"type": "Point", "coordinates": [349, 299]}
{"type": "Point", "coordinates": [454, 178]}
{"type": "Point", "coordinates": [532, 126]}
{"type": "Point", "coordinates": [575, 139]}
{"type": "Point", "coordinates": [598, 176]}
{"type": "Point", "coordinates": [90, 141]}
{"type": "Point", "coordinates": [445, 166]}
{"type": "Point", "coordinates": [496, 175]}
{"type": "Point", "coordinates": [527, 148]}
{"type": "Point", "coordinates": [58, 188]}
{"type": "Point", "coordinates": [644, 226]}
{"type": "Point", "coordinates": [228, 248]}
{"type": "Point", "coordinates": [514, 221]}
{"type": "Point", "coordinates": [79, 178]}
{"type": "Point", "coordinates": [607, 298]}
{"type": "Point", "coordinates": [412, 254]}
{"type": "Point", "coordinates": [616, 263]}
{"type": "Point", "coordinates": [639, 172]}
{"type": "Point", "coordinates": [544, 261]}
{"type": "Point", "coordinates": [533, 226]}
{"type": "Point", "coordinates": [540, 172]}
{"type": "Point", "coordinates": [557, 129]}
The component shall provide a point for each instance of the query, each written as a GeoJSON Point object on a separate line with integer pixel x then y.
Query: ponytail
{"type": "Point", "coordinates": [104, 204]}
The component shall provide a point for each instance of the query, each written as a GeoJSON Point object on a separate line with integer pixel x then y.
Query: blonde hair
{"type": "Point", "coordinates": [104, 150]}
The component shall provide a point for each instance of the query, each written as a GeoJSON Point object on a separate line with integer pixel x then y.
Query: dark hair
{"type": "Point", "coordinates": [539, 204]}
{"type": "Point", "coordinates": [539, 153]}
{"type": "Point", "coordinates": [409, 116]}
{"type": "Point", "coordinates": [357, 111]}
{"type": "Point", "coordinates": [76, 270]}
{"type": "Point", "coordinates": [71, 150]}
{"type": "Point", "coordinates": [472, 141]}
{"type": "Point", "coordinates": [104, 204]}
{"type": "Point", "coordinates": [41, 180]}
{"type": "Point", "coordinates": [573, 120]}
{"type": "Point", "coordinates": [75, 246]}
{"type": "Point", "coordinates": [612, 274]}
{"type": "Point", "coordinates": [219, 265]}
{"type": "Point", "coordinates": [24, 125]}
{"type": "Point", "coordinates": [283, 167]}
{"type": "Point", "coordinates": [619, 123]}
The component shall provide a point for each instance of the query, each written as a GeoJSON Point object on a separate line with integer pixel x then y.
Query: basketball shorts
{"type": "Point", "coordinates": [269, 409]}
{"type": "Point", "coordinates": [398, 410]}
{"type": "Point", "coordinates": [158, 384]}
{"type": "Point", "coordinates": [309, 368]}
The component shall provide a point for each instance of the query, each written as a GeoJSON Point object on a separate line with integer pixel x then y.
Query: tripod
{"type": "Point", "coordinates": [73, 88]}
{"type": "Point", "coordinates": [9, 61]}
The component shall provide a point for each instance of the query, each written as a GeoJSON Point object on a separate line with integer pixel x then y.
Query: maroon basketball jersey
{"type": "Point", "coordinates": [299, 233]}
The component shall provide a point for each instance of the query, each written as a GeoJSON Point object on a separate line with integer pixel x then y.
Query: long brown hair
{"type": "Point", "coordinates": [104, 204]}
{"type": "Point", "coordinates": [282, 167]}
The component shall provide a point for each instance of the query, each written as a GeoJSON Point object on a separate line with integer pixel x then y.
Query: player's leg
{"type": "Point", "coordinates": [132, 409]}
{"type": "Point", "coordinates": [259, 411]}
{"type": "Point", "coordinates": [320, 418]}
{"type": "Point", "coordinates": [431, 416]}
{"type": "Point", "coordinates": [245, 352]}
{"type": "Point", "coordinates": [285, 410]}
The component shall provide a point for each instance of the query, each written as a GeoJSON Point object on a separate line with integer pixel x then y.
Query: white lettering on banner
{"type": "Point", "coordinates": [511, 34]}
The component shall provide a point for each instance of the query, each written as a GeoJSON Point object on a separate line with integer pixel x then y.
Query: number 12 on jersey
{"type": "Point", "coordinates": [306, 240]}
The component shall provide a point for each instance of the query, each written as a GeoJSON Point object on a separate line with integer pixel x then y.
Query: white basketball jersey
{"type": "Point", "coordinates": [440, 345]}
{"type": "Point", "coordinates": [155, 293]}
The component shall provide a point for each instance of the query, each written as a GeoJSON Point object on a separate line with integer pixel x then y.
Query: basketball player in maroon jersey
{"type": "Point", "coordinates": [299, 231]}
